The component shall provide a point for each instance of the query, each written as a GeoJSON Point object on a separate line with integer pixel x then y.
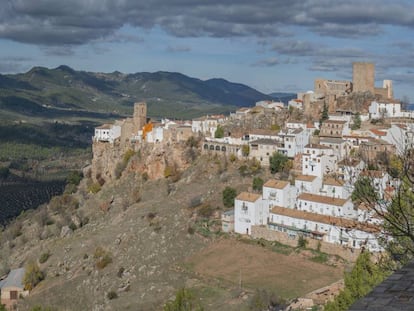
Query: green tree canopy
{"type": "Point", "coordinates": [257, 183]}
{"type": "Point", "coordinates": [364, 191]}
{"type": "Point", "coordinates": [358, 283]}
{"type": "Point", "coordinates": [219, 133]}
{"type": "Point", "coordinates": [278, 162]}
{"type": "Point", "coordinates": [229, 194]}
{"type": "Point", "coordinates": [357, 121]}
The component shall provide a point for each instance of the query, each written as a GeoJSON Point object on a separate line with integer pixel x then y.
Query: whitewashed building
{"type": "Point", "coordinates": [318, 160]}
{"type": "Point", "coordinates": [107, 133]}
{"type": "Point", "coordinates": [278, 193]}
{"type": "Point", "coordinates": [325, 205]}
{"type": "Point", "coordinates": [249, 210]}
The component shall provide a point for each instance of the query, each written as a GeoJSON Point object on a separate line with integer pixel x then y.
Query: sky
{"type": "Point", "coordinates": [271, 45]}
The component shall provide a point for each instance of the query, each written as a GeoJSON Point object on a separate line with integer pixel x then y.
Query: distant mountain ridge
{"type": "Point", "coordinates": [63, 90]}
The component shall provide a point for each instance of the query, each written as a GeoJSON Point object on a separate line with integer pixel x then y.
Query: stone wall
{"type": "Point", "coordinates": [258, 232]}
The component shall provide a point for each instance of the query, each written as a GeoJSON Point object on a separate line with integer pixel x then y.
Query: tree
{"type": "Point", "coordinates": [184, 301]}
{"type": "Point", "coordinates": [229, 194]}
{"type": "Point", "coordinates": [219, 133]}
{"type": "Point", "coordinates": [32, 276]}
{"type": "Point", "coordinates": [325, 114]}
{"type": "Point", "coordinates": [257, 183]}
{"type": "Point", "coordinates": [364, 191]}
{"type": "Point", "coordinates": [357, 121]}
{"type": "Point", "coordinates": [245, 150]}
{"type": "Point", "coordinates": [359, 282]}
{"type": "Point", "coordinates": [396, 210]}
{"type": "Point", "coordinates": [278, 162]}
{"type": "Point", "coordinates": [74, 178]}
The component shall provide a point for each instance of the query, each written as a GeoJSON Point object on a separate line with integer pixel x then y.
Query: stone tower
{"type": "Point", "coordinates": [363, 77]}
{"type": "Point", "coordinates": [140, 115]}
{"type": "Point", "coordinates": [387, 84]}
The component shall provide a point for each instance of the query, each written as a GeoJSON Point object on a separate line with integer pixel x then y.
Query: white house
{"type": "Point", "coordinates": [155, 135]}
{"type": "Point", "coordinates": [295, 103]}
{"type": "Point", "coordinates": [107, 133]}
{"type": "Point", "coordinates": [256, 134]}
{"type": "Point", "coordinates": [401, 136]}
{"type": "Point", "coordinates": [294, 141]}
{"type": "Point", "coordinates": [340, 147]}
{"type": "Point", "coordinates": [335, 188]}
{"type": "Point", "coordinates": [249, 210]}
{"type": "Point", "coordinates": [349, 170]}
{"type": "Point", "coordinates": [318, 160]}
{"type": "Point", "coordinates": [326, 205]}
{"type": "Point", "coordinates": [386, 110]}
{"type": "Point", "coordinates": [278, 193]}
{"type": "Point", "coordinates": [206, 125]}
{"type": "Point", "coordinates": [307, 183]}
{"type": "Point", "coordinates": [346, 232]}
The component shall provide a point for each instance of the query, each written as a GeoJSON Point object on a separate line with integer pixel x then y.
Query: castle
{"type": "Point", "coordinates": [328, 92]}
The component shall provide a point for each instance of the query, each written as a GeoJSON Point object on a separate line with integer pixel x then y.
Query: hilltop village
{"type": "Point", "coordinates": [320, 132]}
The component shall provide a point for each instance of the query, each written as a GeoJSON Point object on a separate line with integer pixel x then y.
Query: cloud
{"type": "Point", "coordinates": [178, 49]}
{"type": "Point", "coordinates": [269, 62]}
{"type": "Point", "coordinates": [51, 22]}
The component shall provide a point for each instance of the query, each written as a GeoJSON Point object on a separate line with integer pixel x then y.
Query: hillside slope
{"type": "Point", "coordinates": [64, 92]}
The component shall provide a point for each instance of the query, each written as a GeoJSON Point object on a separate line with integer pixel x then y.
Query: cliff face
{"type": "Point", "coordinates": [157, 160]}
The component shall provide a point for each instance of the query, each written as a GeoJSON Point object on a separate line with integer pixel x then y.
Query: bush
{"type": "Point", "coordinates": [232, 158]}
{"type": "Point", "coordinates": [103, 258]}
{"type": "Point", "coordinates": [229, 194]}
{"type": "Point", "coordinates": [205, 211]}
{"type": "Point", "coordinates": [94, 188]}
{"type": "Point", "coordinates": [32, 276]}
{"type": "Point", "coordinates": [302, 242]}
{"type": "Point", "coordinates": [44, 257]}
{"type": "Point", "coordinates": [74, 178]}
{"type": "Point", "coordinates": [112, 295]}
{"type": "Point", "coordinates": [184, 301]}
{"type": "Point", "coordinates": [257, 183]}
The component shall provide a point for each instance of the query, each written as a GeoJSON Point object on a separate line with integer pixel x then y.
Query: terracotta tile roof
{"type": "Point", "coordinates": [322, 199]}
{"type": "Point", "coordinates": [104, 127]}
{"type": "Point", "coordinates": [276, 184]}
{"type": "Point", "coordinates": [349, 162]}
{"type": "Point", "coordinates": [378, 132]}
{"type": "Point", "coordinates": [316, 146]}
{"type": "Point", "coordinates": [330, 220]}
{"type": "Point", "coordinates": [263, 132]}
{"type": "Point", "coordinates": [333, 182]}
{"type": "Point", "coordinates": [306, 177]}
{"type": "Point", "coordinates": [372, 173]}
{"type": "Point", "coordinates": [248, 196]}
{"type": "Point", "coordinates": [334, 121]}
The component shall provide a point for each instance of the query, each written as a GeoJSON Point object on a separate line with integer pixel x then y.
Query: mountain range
{"type": "Point", "coordinates": [64, 93]}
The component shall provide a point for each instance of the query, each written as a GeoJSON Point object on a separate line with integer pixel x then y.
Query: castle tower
{"type": "Point", "coordinates": [387, 84]}
{"type": "Point", "coordinates": [140, 115]}
{"type": "Point", "coordinates": [363, 77]}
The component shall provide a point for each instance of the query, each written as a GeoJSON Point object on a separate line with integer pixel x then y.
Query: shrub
{"type": "Point", "coordinates": [72, 226]}
{"type": "Point", "coordinates": [190, 230]}
{"type": "Point", "coordinates": [229, 194]}
{"type": "Point", "coordinates": [120, 272]}
{"type": "Point", "coordinates": [145, 176]}
{"type": "Point", "coordinates": [302, 242]}
{"type": "Point", "coordinates": [112, 295]}
{"type": "Point", "coordinates": [205, 211]}
{"type": "Point", "coordinates": [103, 258]}
{"type": "Point", "coordinates": [257, 183]}
{"type": "Point", "coordinates": [94, 188]}
{"type": "Point", "coordinates": [44, 257]}
{"type": "Point", "coordinates": [74, 178]}
{"type": "Point", "coordinates": [32, 276]}
{"type": "Point", "coordinates": [232, 158]}
{"type": "Point", "coordinates": [184, 300]}
{"type": "Point", "coordinates": [219, 133]}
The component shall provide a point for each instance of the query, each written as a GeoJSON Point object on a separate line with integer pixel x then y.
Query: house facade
{"type": "Point", "coordinates": [249, 210]}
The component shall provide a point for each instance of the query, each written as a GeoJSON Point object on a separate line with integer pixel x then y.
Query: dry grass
{"type": "Point", "coordinates": [287, 275]}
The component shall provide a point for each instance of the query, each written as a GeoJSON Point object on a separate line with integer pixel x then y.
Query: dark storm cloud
{"type": "Point", "coordinates": [51, 22]}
